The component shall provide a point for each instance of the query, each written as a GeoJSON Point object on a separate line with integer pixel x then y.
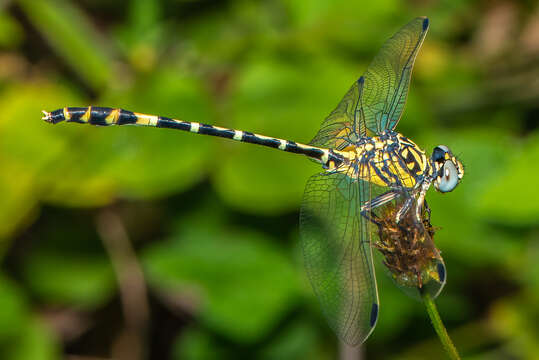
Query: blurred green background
{"type": "Point", "coordinates": [133, 243]}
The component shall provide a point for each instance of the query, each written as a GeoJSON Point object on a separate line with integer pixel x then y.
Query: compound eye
{"type": "Point", "coordinates": [439, 153]}
{"type": "Point", "coordinates": [449, 177]}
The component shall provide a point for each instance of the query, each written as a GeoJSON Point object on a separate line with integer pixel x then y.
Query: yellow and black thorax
{"type": "Point", "coordinates": [390, 160]}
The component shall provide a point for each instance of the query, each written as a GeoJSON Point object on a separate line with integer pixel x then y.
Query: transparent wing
{"type": "Point", "coordinates": [376, 101]}
{"type": "Point", "coordinates": [387, 78]}
{"type": "Point", "coordinates": [336, 241]}
{"type": "Point", "coordinates": [343, 126]}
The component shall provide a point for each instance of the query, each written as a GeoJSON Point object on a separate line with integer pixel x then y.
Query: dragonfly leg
{"type": "Point", "coordinates": [404, 209]}
{"type": "Point", "coordinates": [366, 210]}
{"type": "Point", "coordinates": [372, 217]}
{"type": "Point", "coordinates": [421, 200]}
{"type": "Point", "coordinates": [427, 210]}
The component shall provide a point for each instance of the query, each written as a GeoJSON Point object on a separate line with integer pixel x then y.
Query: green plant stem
{"type": "Point", "coordinates": [440, 328]}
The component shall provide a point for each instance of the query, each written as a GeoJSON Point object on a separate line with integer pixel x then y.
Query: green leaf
{"type": "Point", "coordinates": [141, 37]}
{"type": "Point", "coordinates": [283, 100]}
{"type": "Point", "coordinates": [396, 308]}
{"type": "Point", "coordinates": [70, 279]}
{"type": "Point", "coordinates": [299, 340]}
{"type": "Point", "coordinates": [464, 232]}
{"type": "Point", "coordinates": [509, 199]}
{"type": "Point", "coordinates": [229, 274]}
{"type": "Point", "coordinates": [18, 200]}
{"type": "Point", "coordinates": [358, 25]}
{"type": "Point", "coordinates": [15, 314]}
{"type": "Point", "coordinates": [195, 344]}
{"type": "Point", "coordinates": [73, 37]}
{"type": "Point", "coordinates": [31, 151]}
{"type": "Point", "coordinates": [21, 335]}
{"type": "Point", "coordinates": [149, 162]}
{"type": "Point", "coordinates": [97, 164]}
{"type": "Point", "coordinates": [37, 343]}
{"type": "Point", "coordinates": [11, 32]}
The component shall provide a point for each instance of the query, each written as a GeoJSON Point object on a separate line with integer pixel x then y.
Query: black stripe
{"type": "Point", "coordinates": [205, 129]}
{"type": "Point", "coordinates": [75, 113]}
{"type": "Point", "coordinates": [385, 169]}
{"type": "Point", "coordinates": [292, 147]}
{"type": "Point", "coordinates": [374, 314]}
{"type": "Point", "coordinates": [57, 116]}
{"type": "Point", "coordinates": [126, 117]}
{"type": "Point", "coordinates": [404, 166]}
{"type": "Point", "coordinates": [405, 141]}
{"type": "Point", "coordinates": [425, 24]}
{"type": "Point", "coordinates": [441, 271]}
{"type": "Point", "coordinates": [274, 143]}
{"type": "Point", "coordinates": [164, 122]}
{"type": "Point", "coordinates": [249, 137]}
{"type": "Point", "coordinates": [411, 159]}
{"type": "Point", "coordinates": [254, 139]}
{"type": "Point", "coordinates": [98, 115]}
{"type": "Point", "coordinates": [337, 159]}
{"type": "Point", "coordinates": [418, 155]}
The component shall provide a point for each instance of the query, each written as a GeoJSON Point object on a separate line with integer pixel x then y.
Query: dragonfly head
{"type": "Point", "coordinates": [448, 170]}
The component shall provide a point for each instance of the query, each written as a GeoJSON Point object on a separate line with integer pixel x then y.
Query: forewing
{"type": "Point", "coordinates": [336, 241]}
{"type": "Point", "coordinates": [342, 127]}
{"type": "Point", "coordinates": [387, 78]}
{"type": "Point", "coordinates": [376, 101]}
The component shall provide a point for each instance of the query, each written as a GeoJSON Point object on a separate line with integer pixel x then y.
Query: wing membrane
{"type": "Point", "coordinates": [336, 241]}
{"type": "Point", "coordinates": [376, 101]}
{"type": "Point", "coordinates": [343, 126]}
{"type": "Point", "coordinates": [387, 78]}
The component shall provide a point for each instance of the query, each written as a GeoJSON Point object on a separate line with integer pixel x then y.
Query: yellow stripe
{"type": "Point", "coordinates": [325, 157]}
{"type": "Point", "coordinates": [264, 137]}
{"type": "Point", "coordinates": [237, 135]}
{"type": "Point", "coordinates": [404, 153]}
{"type": "Point", "coordinates": [67, 115]}
{"type": "Point", "coordinates": [112, 118]}
{"type": "Point", "coordinates": [86, 115]}
{"type": "Point", "coordinates": [146, 120]}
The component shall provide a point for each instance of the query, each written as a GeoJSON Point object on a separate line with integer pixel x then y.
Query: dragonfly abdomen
{"type": "Point", "coordinates": [94, 115]}
{"type": "Point", "coordinates": [104, 116]}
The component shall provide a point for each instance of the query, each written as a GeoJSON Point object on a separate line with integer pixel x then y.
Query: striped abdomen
{"type": "Point", "coordinates": [104, 116]}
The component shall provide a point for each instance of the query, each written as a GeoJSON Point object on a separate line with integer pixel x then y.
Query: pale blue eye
{"type": "Point", "coordinates": [449, 178]}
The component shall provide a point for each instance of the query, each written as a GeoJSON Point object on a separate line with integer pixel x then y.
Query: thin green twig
{"type": "Point", "coordinates": [438, 325]}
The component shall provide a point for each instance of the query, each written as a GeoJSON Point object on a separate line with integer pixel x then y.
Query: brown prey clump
{"type": "Point", "coordinates": [408, 248]}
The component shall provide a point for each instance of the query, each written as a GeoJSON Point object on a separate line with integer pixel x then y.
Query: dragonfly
{"type": "Point", "coordinates": [369, 194]}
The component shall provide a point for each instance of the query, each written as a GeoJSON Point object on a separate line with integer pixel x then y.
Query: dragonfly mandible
{"type": "Point", "coordinates": [370, 193]}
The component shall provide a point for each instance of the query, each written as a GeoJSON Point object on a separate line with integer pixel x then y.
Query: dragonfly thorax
{"type": "Point", "coordinates": [390, 160]}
